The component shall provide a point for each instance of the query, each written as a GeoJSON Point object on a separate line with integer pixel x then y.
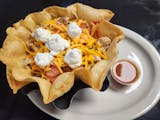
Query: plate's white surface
{"type": "Point", "coordinates": [116, 103]}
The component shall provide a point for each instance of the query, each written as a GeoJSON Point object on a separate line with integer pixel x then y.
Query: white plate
{"type": "Point", "coordinates": [116, 103]}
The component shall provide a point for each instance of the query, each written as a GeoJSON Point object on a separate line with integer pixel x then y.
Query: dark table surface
{"type": "Point", "coordinates": [142, 16]}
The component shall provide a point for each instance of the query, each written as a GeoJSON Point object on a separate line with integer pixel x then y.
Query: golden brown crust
{"type": "Point", "coordinates": [14, 84]}
{"type": "Point", "coordinates": [13, 52]}
{"type": "Point", "coordinates": [91, 14]}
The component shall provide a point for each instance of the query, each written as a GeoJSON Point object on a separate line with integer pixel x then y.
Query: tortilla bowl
{"type": "Point", "coordinates": [13, 51]}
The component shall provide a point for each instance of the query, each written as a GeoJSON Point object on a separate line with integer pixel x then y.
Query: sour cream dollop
{"type": "Point", "coordinates": [56, 44]}
{"type": "Point", "coordinates": [41, 34]}
{"type": "Point", "coordinates": [73, 57]}
{"type": "Point", "coordinates": [43, 59]}
{"type": "Point", "coordinates": [74, 30]}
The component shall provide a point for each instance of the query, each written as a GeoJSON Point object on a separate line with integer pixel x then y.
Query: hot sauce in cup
{"type": "Point", "coordinates": [125, 72]}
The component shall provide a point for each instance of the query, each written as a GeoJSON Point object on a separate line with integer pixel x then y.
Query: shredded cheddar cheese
{"type": "Point", "coordinates": [87, 43]}
{"type": "Point", "coordinates": [58, 66]}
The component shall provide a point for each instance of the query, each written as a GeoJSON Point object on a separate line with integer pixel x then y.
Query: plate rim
{"type": "Point", "coordinates": [153, 50]}
{"type": "Point", "coordinates": [135, 36]}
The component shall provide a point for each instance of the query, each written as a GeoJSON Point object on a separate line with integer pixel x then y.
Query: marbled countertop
{"type": "Point", "coordinates": [141, 16]}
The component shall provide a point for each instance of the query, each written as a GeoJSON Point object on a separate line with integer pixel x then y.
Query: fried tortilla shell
{"type": "Point", "coordinates": [14, 84]}
{"type": "Point", "coordinates": [91, 14]}
{"type": "Point", "coordinates": [49, 91]}
{"type": "Point", "coordinates": [13, 51]}
{"type": "Point", "coordinates": [79, 10]}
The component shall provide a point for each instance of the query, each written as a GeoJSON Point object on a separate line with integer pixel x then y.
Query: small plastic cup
{"type": "Point", "coordinates": [125, 72]}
